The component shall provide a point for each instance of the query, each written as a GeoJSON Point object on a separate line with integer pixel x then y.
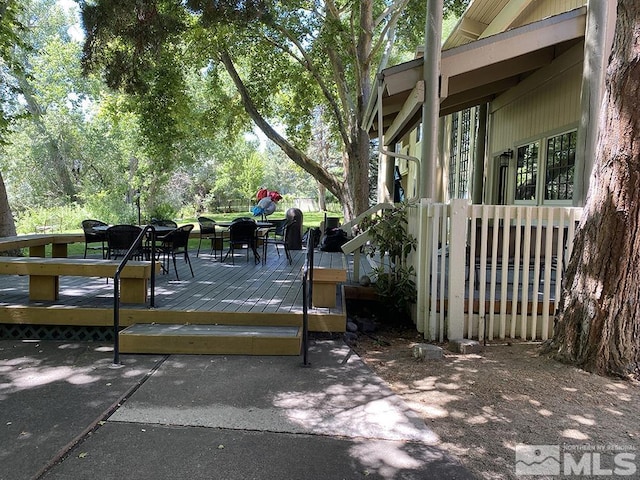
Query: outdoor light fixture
{"type": "Point", "coordinates": [508, 154]}
{"type": "Point", "coordinates": [504, 157]}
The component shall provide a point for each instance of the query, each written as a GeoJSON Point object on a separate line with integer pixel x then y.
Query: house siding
{"type": "Point", "coordinates": [551, 106]}
{"type": "Point", "coordinates": [540, 10]}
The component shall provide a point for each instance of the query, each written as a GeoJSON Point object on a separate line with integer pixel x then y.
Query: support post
{"type": "Point", "coordinates": [431, 105]}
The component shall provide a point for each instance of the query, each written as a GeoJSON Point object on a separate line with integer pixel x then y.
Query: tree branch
{"type": "Point", "coordinates": [332, 182]}
{"type": "Point", "coordinates": [307, 62]}
{"type": "Point", "coordinates": [387, 34]}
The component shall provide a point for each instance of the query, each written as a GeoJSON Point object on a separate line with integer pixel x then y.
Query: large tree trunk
{"type": "Point", "coordinates": [599, 324]}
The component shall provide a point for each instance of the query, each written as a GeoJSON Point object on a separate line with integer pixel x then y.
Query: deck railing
{"type": "Point", "coordinates": [487, 271]}
{"type": "Point", "coordinates": [307, 297]}
{"type": "Point", "coordinates": [354, 246]}
{"type": "Point", "coordinates": [116, 284]}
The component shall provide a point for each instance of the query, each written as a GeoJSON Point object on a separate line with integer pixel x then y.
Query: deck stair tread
{"type": "Point", "coordinates": [211, 339]}
{"type": "Point", "coordinates": [212, 330]}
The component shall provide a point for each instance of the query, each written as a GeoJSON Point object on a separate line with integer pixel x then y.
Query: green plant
{"type": "Point", "coordinates": [395, 278]}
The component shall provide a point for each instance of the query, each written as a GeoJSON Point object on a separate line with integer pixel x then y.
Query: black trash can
{"type": "Point", "coordinates": [331, 222]}
{"type": "Point", "coordinates": [294, 235]}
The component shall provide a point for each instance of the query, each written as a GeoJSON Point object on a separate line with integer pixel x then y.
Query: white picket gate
{"type": "Point", "coordinates": [491, 271]}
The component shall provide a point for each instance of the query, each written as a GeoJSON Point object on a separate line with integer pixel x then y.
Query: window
{"type": "Point", "coordinates": [527, 172]}
{"type": "Point", "coordinates": [465, 146]}
{"type": "Point", "coordinates": [561, 157]}
{"type": "Point", "coordinates": [545, 169]}
{"type": "Point", "coordinates": [453, 155]}
{"type": "Point", "coordinates": [461, 140]}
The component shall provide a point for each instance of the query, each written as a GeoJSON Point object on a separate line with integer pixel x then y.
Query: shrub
{"type": "Point", "coordinates": [395, 279]}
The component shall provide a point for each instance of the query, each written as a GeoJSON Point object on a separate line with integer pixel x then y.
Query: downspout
{"type": "Point", "coordinates": [386, 181]}
{"type": "Point", "coordinates": [409, 158]}
{"type": "Point", "coordinates": [431, 105]}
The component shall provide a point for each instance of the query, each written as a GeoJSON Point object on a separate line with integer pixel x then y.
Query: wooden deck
{"type": "Point", "coordinates": [220, 293]}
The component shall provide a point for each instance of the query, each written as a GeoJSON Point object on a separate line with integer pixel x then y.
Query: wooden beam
{"type": "Point", "coordinates": [407, 112]}
{"type": "Point", "coordinates": [470, 28]}
{"type": "Point", "coordinates": [507, 17]}
{"type": "Point", "coordinates": [512, 44]}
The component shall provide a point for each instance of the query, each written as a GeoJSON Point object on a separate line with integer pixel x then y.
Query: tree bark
{"type": "Point", "coordinates": [599, 325]}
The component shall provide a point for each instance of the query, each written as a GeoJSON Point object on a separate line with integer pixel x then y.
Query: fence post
{"type": "Point", "coordinates": [418, 227]}
{"type": "Point", "coordinates": [456, 267]}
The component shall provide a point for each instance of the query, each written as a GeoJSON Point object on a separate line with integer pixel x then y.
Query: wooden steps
{"type": "Point", "coordinates": [221, 294]}
{"type": "Point", "coordinates": [211, 339]}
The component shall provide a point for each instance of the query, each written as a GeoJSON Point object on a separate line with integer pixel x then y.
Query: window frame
{"type": "Point", "coordinates": [541, 180]}
{"type": "Point", "coordinates": [563, 201]}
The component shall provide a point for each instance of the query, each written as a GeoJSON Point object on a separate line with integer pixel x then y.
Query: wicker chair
{"type": "Point", "coordinates": [278, 237]}
{"type": "Point", "coordinates": [242, 234]}
{"type": "Point", "coordinates": [160, 222]}
{"type": "Point", "coordinates": [94, 236]}
{"type": "Point", "coordinates": [176, 243]}
{"type": "Point", "coordinates": [119, 240]}
{"type": "Point", "coordinates": [208, 232]}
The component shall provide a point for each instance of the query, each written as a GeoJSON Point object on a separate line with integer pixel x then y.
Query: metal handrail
{"type": "Point", "coordinates": [307, 297]}
{"type": "Point", "coordinates": [116, 285]}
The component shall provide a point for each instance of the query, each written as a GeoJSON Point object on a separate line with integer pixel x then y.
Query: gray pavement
{"type": "Point", "coordinates": [67, 413]}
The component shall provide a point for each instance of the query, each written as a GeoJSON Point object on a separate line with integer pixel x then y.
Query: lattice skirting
{"type": "Point", "coordinates": [70, 333]}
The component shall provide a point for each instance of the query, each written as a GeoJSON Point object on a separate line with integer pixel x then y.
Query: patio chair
{"type": "Point", "coordinates": [278, 237]}
{"type": "Point", "coordinates": [242, 234]}
{"type": "Point", "coordinates": [119, 240]}
{"type": "Point", "coordinates": [208, 232]}
{"type": "Point", "coordinates": [163, 223]}
{"type": "Point", "coordinates": [94, 236]}
{"type": "Point", "coordinates": [176, 243]}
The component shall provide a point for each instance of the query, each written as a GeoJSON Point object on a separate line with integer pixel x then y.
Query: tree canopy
{"type": "Point", "coordinates": [283, 58]}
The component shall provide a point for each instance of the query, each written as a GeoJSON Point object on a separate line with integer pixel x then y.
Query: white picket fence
{"type": "Point", "coordinates": [489, 271]}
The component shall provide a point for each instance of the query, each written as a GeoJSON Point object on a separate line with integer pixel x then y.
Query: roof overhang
{"type": "Point", "coordinates": [474, 73]}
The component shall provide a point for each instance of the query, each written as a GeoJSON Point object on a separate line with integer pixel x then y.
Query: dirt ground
{"type": "Point", "coordinates": [483, 405]}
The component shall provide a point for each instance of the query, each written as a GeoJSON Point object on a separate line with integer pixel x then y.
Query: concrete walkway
{"type": "Point", "coordinates": [67, 413]}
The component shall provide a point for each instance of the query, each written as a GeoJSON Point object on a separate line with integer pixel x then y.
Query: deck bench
{"type": "Point", "coordinates": [325, 281]}
{"type": "Point", "coordinates": [44, 273]}
{"type": "Point", "coordinates": [37, 243]}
